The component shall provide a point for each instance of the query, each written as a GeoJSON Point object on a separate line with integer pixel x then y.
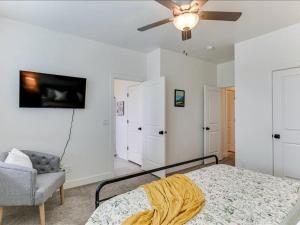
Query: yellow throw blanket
{"type": "Point", "coordinates": [175, 200]}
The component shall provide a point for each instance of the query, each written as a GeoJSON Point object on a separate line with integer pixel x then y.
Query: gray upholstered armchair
{"type": "Point", "coordinates": [20, 186]}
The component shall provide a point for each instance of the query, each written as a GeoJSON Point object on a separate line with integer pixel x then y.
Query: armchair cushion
{"type": "Point", "coordinates": [19, 158]}
{"type": "Point", "coordinates": [3, 156]}
{"type": "Point", "coordinates": [47, 184]}
{"type": "Point", "coordinates": [44, 163]}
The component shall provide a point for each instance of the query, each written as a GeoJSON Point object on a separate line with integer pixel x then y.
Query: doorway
{"type": "Point", "coordinates": [229, 122]}
{"type": "Point", "coordinates": [219, 123]}
{"type": "Point", "coordinates": [138, 129]}
{"type": "Point", "coordinates": [212, 122]}
{"type": "Point", "coordinates": [127, 139]}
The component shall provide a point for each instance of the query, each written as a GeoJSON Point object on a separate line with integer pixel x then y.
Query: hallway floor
{"type": "Point", "coordinates": [123, 167]}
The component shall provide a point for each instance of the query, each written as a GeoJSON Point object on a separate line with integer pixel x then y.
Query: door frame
{"type": "Point", "coordinates": [224, 134]}
{"type": "Point", "coordinates": [112, 116]}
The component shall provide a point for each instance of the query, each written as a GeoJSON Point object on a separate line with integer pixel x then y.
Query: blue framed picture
{"type": "Point", "coordinates": [179, 98]}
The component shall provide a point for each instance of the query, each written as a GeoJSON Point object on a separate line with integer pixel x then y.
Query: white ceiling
{"type": "Point", "coordinates": [115, 22]}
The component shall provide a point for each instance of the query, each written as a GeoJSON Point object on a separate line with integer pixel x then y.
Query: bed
{"type": "Point", "coordinates": [233, 196]}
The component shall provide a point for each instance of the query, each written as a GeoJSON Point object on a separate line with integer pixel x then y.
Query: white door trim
{"type": "Point", "coordinates": [111, 115]}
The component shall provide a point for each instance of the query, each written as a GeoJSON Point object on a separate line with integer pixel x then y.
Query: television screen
{"type": "Point", "coordinates": [40, 90]}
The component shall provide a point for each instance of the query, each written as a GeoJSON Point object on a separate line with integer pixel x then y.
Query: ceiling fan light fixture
{"type": "Point", "coordinates": [186, 21]}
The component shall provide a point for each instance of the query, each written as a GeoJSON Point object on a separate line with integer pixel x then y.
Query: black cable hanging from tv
{"type": "Point", "coordinates": [69, 135]}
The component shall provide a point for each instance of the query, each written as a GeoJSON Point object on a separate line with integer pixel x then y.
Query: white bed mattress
{"type": "Point", "coordinates": [233, 196]}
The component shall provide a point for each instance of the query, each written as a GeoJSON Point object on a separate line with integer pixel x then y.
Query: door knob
{"type": "Point", "coordinates": [276, 136]}
{"type": "Point", "coordinates": [206, 128]}
{"type": "Point", "coordinates": [161, 132]}
{"type": "Point", "coordinates": [139, 128]}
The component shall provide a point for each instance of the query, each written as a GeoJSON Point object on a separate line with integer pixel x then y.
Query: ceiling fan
{"type": "Point", "coordinates": [187, 16]}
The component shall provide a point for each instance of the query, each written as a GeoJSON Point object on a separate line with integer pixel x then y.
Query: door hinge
{"type": "Point", "coordinates": [127, 95]}
{"type": "Point", "coordinates": [127, 148]}
{"type": "Point", "coordinates": [127, 121]}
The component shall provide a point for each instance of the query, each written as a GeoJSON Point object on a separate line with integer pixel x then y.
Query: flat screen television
{"type": "Point", "coordinates": [41, 90]}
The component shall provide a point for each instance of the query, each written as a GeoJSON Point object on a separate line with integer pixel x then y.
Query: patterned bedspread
{"type": "Point", "coordinates": [233, 196]}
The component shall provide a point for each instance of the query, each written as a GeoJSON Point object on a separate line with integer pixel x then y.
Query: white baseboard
{"type": "Point", "coordinates": [87, 180]}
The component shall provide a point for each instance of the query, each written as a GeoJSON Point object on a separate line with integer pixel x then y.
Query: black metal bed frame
{"type": "Point", "coordinates": [114, 180]}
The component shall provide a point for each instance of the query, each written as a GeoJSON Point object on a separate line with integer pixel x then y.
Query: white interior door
{"type": "Point", "coordinates": [154, 129]}
{"type": "Point", "coordinates": [212, 122]}
{"type": "Point", "coordinates": [286, 123]}
{"type": "Point", "coordinates": [134, 124]}
{"type": "Point", "coordinates": [230, 119]}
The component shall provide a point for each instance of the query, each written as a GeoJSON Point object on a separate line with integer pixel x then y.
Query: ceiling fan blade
{"type": "Point", "coordinates": [156, 24]}
{"type": "Point", "coordinates": [186, 34]}
{"type": "Point", "coordinates": [200, 2]}
{"type": "Point", "coordinates": [170, 4]}
{"type": "Point", "coordinates": [217, 15]}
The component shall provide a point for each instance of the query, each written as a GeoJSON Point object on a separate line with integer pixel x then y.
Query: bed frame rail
{"type": "Point", "coordinates": [114, 180]}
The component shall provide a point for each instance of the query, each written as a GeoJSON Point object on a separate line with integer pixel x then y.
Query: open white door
{"type": "Point", "coordinates": [212, 122]}
{"type": "Point", "coordinates": [134, 124]}
{"type": "Point", "coordinates": [154, 129]}
{"type": "Point", "coordinates": [286, 123]}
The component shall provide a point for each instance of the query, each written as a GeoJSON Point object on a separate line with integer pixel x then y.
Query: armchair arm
{"type": "Point", "coordinates": [17, 185]}
{"type": "Point", "coordinates": [44, 163]}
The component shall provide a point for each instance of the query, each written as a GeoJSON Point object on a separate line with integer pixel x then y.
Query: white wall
{"type": "Point", "coordinates": [153, 64]}
{"type": "Point", "coordinates": [255, 60]}
{"type": "Point", "coordinates": [184, 125]}
{"type": "Point", "coordinates": [27, 47]}
{"type": "Point", "coordinates": [225, 74]}
{"type": "Point", "coordinates": [120, 94]}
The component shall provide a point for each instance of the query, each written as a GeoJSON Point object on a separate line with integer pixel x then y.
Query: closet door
{"type": "Point", "coordinates": [286, 123]}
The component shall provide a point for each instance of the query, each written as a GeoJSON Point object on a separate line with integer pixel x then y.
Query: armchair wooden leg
{"type": "Point", "coordinates": [62, 194]}
{"type": "Point", "coordinates": [1, 215]}
{"type": "Point", "coordinates": [42, 214]}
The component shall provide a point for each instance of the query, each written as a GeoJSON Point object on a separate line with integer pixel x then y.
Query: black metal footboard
{"type": "Point", "coordinates": [114, 180]}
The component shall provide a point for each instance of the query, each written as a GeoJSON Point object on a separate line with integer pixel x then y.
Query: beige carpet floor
{"type": "Point", "coordinates": [79, 203]}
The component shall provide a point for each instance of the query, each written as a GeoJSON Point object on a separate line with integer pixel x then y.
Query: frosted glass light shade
{"type": "Point", "coordinates": [186, 21]}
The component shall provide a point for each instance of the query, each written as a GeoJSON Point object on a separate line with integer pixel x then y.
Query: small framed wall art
{"type": "Point", "coordinates": [179, 98]}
